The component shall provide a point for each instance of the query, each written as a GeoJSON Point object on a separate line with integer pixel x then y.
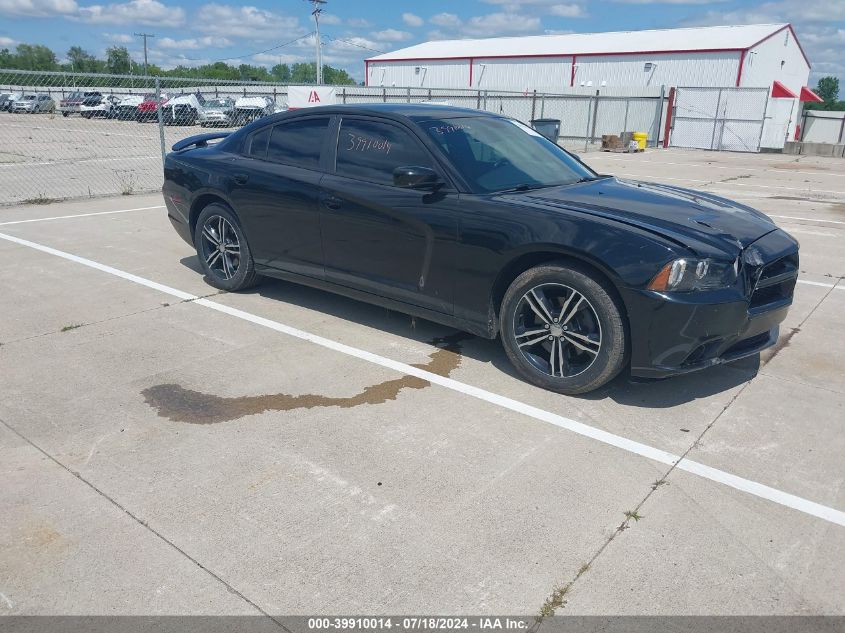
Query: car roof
{"type": "Point", "coordinates": [412, 111]}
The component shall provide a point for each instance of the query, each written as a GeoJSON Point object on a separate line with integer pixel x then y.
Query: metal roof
{"type": "Point", "coordinates": [706, 38]}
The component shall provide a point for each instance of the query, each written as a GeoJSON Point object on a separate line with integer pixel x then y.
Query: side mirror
{"type": "Point", "coordinates": [413, 177]}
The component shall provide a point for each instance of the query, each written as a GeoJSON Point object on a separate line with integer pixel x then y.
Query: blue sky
{"type": "Point", "coordinates": [193, 32]}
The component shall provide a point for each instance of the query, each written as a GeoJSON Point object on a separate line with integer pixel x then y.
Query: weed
{"type": "Point", "coordinates": [554, 601]}
{"type": "Point", "coordinates": [72, 326]}
{"type": "Point", "coordinates": [42, 199]}
{"type": "Point", "coordinates": [658, 483]}
{"type": "Point", "coordinates": [632, 514]}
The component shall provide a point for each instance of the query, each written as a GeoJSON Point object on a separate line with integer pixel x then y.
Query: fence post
{"type": "Point", "coordinates": [384, 94]}
{"type": "Point", "coordinates": [716, 120]}
{"type": "Point", "coordinates": [533, 104]}
{"type": "Point", "coordinates": [670, 106]}
{"type": "Point", "coordinates": [658, 112]}
{"type": "Point", "coordinates": [589, 116]}
{"type": "Point", "coordinates": [160, 120]}
{"type": "Point", "coordinates": [627, 105]}
{"type": "Point", "coordinates": [595, 118]}
{"type": "Point", "coordinates": [478, 100]}
{"type": "Point", "coordinates": [409, 94]}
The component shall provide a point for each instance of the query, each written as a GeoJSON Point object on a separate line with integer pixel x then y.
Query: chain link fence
{"type": "Point", "coordinates": [719, 118]}
{"type": "Point", "coordinates": [66, 135]}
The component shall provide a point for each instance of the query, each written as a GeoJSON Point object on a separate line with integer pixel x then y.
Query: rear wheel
{"type": "Point", "coordinates": [65, 113]}
{"type": "Point", "coordinates": [563, 329]}
{"type": "Point", "coordinates": [223, 249]}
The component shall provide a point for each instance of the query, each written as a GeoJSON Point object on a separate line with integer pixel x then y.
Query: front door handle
{"type": "Point", "coordinates": [332, 203]}
{"type": "Point", "coordinates": [240, 179]}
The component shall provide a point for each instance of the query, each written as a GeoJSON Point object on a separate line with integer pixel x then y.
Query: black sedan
{"type": "Point", "coordinates": [474, 220]}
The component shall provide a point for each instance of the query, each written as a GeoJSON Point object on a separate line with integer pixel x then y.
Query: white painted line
{"type": "Point", "coordinates": [821, 284]}
{"type": "Point", "coordinates": [792, 217]}
{"type": "Point", "coordinates": [801, 231]}
{"type": "Point", "coordinates": [733, 184]}
{"type": "Point", "coordinates": [772, 171]}
{"type": "Point", "coordinates": [84, 160]}
{"type": "Point", "coordinates": [738, 483]}
{"type": "Point", "coordinates": [79, 215]}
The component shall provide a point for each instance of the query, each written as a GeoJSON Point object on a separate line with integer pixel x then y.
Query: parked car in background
{"type": "Point", "coordinates": [476, 221]}
{"type": "Point", "coordinates": [217, 112]}
{"type": "Point", "coordinates": [34, 103]}
{"type": "Point", "coordinates": [7, 100]}
{"type": "Point", "coordinates": [73, 102]}
{"type": "Point", "coordinates": [99, 106]}
{"type": "Point", "coordinates": [148, 108]}
{"type": "Point", "coordinates": [126, 108]}
{"type": "Point", "coordinates": [248, 109]}
{"type": "Point", "coordinates": [182, 110]}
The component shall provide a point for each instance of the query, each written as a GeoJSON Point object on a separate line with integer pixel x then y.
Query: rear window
{"type": "Point", "coordinates": [298, 143]}
{"type": "Point", "coordinates": [256, 144]}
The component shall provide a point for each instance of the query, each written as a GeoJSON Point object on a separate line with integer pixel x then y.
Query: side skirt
{"type": "Point", "coordinates": [473, 327]}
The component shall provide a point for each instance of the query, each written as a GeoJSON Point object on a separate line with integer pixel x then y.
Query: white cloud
{"type": "Point", "coordinates": [501, 24]}
{"type": "Point", "coordinates": [193, 43]}
{"type": "Point", "coordinates": [133, 12]}
{"type": "Point", "coordinates": [38, 8]}
{"type": "Point", "coordinates": [668, 1]}
{"type": "Point", "coordinates": [268, 59]}
{"type": "Point", "coordinates": [119, 38]}
{"type": "Point", "coordinates": [330, 18]}
{"type": "Point", "coordinates": [448, 20]}
{"type": "Point", "coordinates": [7, 42]}
{"type": "Point", "coordinates": [359, 23]}
{"type": "Point", "coordinates": [250, 23]}
{"type": "Point", "coordinates": [412, 20]}
{"type": "Point", "coordinates": [392, 35]}
{"type": "Point", "coordinates": [567, 10]}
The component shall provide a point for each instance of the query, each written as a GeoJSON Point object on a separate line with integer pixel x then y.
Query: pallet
{"type": "Point", "coordinates": [621, 150]}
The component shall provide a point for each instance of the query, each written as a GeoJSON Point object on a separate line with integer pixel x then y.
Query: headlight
{"type": "Point", "coordinates": [688, 274]}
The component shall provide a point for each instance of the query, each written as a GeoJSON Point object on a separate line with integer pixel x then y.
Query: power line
{"type": "Point", "coordinates": [367, 48]}
{"type": "Point", "coordinates": [266, 50]}
{"type": "Point", "coordinates": [145, 36]}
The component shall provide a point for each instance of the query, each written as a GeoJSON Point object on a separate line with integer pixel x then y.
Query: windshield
{"type": "Point", "coordinates": [495, 154]}
{"type": "Point", "coordinates": [29, 98]}
{"type": "Point", "coordinates": [218, 103]}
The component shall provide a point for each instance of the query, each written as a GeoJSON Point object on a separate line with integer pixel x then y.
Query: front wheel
{"type": "Point", "coordinates": [223, 250]}
{"type": "Point", "coordinates": [563, 329]}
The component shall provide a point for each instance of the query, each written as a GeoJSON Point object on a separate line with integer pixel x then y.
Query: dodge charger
{"type": "Point", "coordinates": [476, 221]}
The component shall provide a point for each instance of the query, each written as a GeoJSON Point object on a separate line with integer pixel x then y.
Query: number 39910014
{"type": "Point", "coordinates": [364, 144]}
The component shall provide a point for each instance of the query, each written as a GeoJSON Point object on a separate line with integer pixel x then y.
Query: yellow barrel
{"type": "Point", "coordinates": [641, 138]}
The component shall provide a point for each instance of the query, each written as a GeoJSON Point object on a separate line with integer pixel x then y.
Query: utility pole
{"type": "Point", "coordinates": [316, 13]}
{"type": "Point", "coordinates": [145, 36]}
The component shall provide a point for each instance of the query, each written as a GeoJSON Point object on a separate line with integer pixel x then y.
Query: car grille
{"type": "Point", "coordinates": [773, 283]}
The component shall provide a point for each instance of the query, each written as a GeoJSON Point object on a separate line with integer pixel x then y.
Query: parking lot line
{"type": "Point", "coordinates": [79, 215]}
{"type": "Point", "coordinates": [757, 489]}
{"type": "Point", "coordinates": [792, 217]}
{"type": "Point", "coordinates": [731, 167]}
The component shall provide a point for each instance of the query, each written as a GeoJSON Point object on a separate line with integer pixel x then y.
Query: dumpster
{"type": "Point", "coordinates": [550, 128]}
{"type": "Point", "coordinates": [641, 138]}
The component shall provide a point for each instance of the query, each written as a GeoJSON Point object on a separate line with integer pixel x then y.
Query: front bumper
{"type": "Point", "coordinates": [684, 332]}
{"type": "Point", "coordinates": [71, 107]}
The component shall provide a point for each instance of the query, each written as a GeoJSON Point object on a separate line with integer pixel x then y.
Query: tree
{"type": "Point", "coordinates": [81, 60]}
{"type": "Point", "coordinates": [117, 60]}
{"type": "Point", "coordinates": [828, 89]}
{"type": "Point", "coordinates": [281, 73]}
{"type": "Point", "coordinates": [35, 57]}
{"type": "Point", "coordinates": [302, 73]}
{"type": "Point", "coordinates": [337, 77]}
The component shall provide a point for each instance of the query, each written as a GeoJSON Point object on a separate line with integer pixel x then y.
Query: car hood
{"type": "Point", "coordinates": [682, 215]}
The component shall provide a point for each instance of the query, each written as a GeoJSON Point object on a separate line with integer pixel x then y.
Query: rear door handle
{"type": "Point", "coordinates": [240, 179]}
{"type": "Point", "coordinates": [330, 202]}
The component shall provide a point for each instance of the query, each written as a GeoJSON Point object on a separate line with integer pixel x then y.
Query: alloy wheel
{"type": "Point", "coordinates": [220, 247]}
{"type": "Point", "coordinates": [557, 330]}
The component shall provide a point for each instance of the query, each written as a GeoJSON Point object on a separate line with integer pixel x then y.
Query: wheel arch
{"type": "Point", "coordinates": [543, 254]}
{"type": "Point", "coordinates": [201, 201]}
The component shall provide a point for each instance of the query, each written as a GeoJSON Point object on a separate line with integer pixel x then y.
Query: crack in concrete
{"type": "Point", "coordinates": [230, 588]}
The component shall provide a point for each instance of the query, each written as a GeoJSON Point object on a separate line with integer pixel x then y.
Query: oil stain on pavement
{"type": "Point", "coordinates": [179, 404]}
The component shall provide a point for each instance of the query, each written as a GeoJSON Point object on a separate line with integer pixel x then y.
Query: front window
{"type": "Point", "coordinates": [494, 154]}
{"type": "Point", "coordinates": [369, 150]}
{"type": "Point", "coordinates": [218, 103]}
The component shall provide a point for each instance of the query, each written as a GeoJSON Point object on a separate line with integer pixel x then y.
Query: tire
{"type": "Point", "coordinates": [589, 342]}
{"type": "Point", "coordinates": [65, 114]}
{"type": "Point", "coordinates": [218, 265]}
